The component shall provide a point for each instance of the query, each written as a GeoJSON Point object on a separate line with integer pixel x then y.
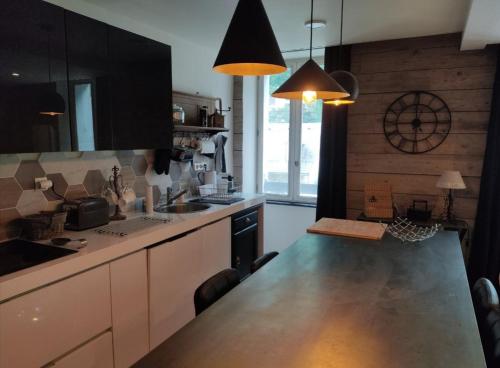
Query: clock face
{"type": "Point", "coordinates": [417, 122]}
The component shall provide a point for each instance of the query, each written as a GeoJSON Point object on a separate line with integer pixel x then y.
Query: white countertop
{"type": "Point", "coordinates": [105, 248]}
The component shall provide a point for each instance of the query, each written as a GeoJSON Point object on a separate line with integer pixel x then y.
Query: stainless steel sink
{"type": "Point", "coordinates": [182, 208]}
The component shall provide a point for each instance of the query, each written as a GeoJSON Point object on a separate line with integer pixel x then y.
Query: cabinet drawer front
{"type": "Point", "coordinates": [216, 252]}
{"type": "Point", "coordinates": [174, 275]}
{"type": "Point", "coordinates": [41, 326]}
{"type": "Point", "coordinates": [129, 303]}
{"type": "Point", "coordinates": [97, 353]}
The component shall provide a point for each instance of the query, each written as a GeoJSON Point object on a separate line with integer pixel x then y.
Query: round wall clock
{"type": "Point", "coordinates": [417, 122]}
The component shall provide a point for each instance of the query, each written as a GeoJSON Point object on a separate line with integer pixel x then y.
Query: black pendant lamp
{"type": "Point", "coordinates": [51, 103]}
{"type": "Point", "coordinates": [345, 78]}
{"type": "Point", "coordinates": [310, 82]}
{"type": "Point", "coordinates": [250, 47]}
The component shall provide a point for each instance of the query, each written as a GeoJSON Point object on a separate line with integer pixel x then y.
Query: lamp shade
{"type": "Point", "coordinates": [52, 103]}
{"type": "Point", "coordinates": [451, 180]}
{"type": "Point", "coordinates": [350, 83]}
{"type": "Point", "coordinates": [310, 77]}
{"type": "Point", "coordinates": [250, 47]}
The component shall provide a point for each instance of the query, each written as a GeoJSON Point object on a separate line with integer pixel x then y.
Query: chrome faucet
{"type": "Point", "coordinates": [171, 198]}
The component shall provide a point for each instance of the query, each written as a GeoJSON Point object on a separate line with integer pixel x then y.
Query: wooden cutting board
{"type": "Point", "coordinates": [349, 228]}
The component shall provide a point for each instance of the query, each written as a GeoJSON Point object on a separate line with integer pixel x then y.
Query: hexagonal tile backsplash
{"type": "Point", "coordinates": [74, 174]}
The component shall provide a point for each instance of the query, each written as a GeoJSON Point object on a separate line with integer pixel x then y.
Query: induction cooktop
{"type": "Point", "coordinates": [18, 254]}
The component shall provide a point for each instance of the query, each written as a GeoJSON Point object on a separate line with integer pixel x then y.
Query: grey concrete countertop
{"type": "Point", "coordinates": [337, 302]}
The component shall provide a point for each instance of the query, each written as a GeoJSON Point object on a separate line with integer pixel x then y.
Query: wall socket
{"type": "Point", "coordinates": [199, 166]}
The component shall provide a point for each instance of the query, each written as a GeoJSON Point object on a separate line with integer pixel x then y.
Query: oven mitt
{"type": "Point", "coordinates": [162, 161]}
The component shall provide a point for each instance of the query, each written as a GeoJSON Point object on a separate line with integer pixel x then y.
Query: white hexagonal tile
{"type": "Point", "coordinates": [104, 161]}
{"type": "Point", "coordinates": [69, 165]}
{"type": "Point", "coordinates": [162, 181]}
{"type": "Point", "coordinates": [8, 165]}
{"type": "Point", "coordinates": [28, 156]}
{"type": "Point", "coordinates": [31, 202]}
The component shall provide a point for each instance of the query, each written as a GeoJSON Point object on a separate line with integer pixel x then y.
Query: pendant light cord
{"type": "Point", "coordinates": [341, 31]}
{"type": "Point", "coordinates": [311, 35]}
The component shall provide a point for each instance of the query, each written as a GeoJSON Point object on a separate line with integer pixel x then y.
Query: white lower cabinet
{"type": "Point", "coordinates": [105, 317]}
{"type": "Point", "coordinates": [43, 325]}
{"type": "Point", "coordinates": [97, 353]}
{"type": "Point", "coordinates": [176, 269]}
{"type": "Point", "coordinates": [216, 250]}
{"type": "Point", "coordinates": [174, 275]}
{"type": "Point", "coordinates": [129, 304]}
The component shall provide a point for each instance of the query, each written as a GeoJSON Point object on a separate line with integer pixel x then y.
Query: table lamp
{"type": "Point", "coordinates": [450, 180]}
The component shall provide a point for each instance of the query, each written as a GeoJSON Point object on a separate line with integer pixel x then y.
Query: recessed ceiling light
{"type": "Point", "coordinates": [14, 74]}
{"type": "Point", "coordinates": [315, 24]}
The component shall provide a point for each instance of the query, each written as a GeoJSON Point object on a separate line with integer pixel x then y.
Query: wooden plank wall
{"type": "Point", "coordinates": [386, 70]}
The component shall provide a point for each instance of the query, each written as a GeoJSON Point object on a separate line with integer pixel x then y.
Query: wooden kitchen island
{"type": "Point", "coordinates": [338, 302]}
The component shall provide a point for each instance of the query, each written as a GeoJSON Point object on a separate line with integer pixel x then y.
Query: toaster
{"type": "Point", "coordinates": [86, 213]}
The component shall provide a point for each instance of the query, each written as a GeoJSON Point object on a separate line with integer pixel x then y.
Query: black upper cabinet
{"type": "Point", "coordinates": [141, 91]}
{"type": "Point", "coordinates": [89, 83]}
{"type": "Point", "coordinates": [32, 69]}
{"type": "Point", "coordinates": [116, 85]}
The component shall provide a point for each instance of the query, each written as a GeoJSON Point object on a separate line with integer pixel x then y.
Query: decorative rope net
{"type": "Point", "coordinates": [406, 231]}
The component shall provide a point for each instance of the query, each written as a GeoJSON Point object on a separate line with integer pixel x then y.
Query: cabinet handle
{"type": "Point", "coordinates": [248, 220]}
{"type": "Point", "coordinates": [238, 261]}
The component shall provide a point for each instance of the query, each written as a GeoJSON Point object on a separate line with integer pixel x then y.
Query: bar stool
{"type": "Point", "coordinates": [215, 288]}
{"type": "Point", "coordinates": [491, 344]}
{"type": "Point", "coordinates": [261, 261]}
{"type": "Point", "coordinates": [485, 297]}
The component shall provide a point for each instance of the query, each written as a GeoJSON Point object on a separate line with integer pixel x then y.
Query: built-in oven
{"type": "Point", "coordinates": [244, 242]}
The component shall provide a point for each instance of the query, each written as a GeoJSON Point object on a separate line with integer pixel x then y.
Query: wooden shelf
{"type": "Point", "coordinates": [198, 129]}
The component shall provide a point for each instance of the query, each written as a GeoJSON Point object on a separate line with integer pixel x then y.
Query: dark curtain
{"type": "Point", "coordinates": [331, 200]}
{"type": "Point", "coordinates": [484, 258]}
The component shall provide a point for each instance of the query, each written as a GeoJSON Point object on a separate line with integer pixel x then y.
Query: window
{"type": "Point", "coordinates": [289, 143]}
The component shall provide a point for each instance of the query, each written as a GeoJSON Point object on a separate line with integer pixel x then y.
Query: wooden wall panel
{"type": "Point", "coordinates": [432, 58]}
{"type": "Point", "coordinates": [463, 122]}
{"type": "Point", "coordinates": [423, 164]}
{"type": "Point", "coordinates": [411, 184]}
{"type": "Point", "coordinates": [428, 80]}
{"type": "Point", "coordinates": [463, 80]}
{"type": "Point", "coordinates": [459, 100]}
{"type": "Point", "coordinates": [454, 144]}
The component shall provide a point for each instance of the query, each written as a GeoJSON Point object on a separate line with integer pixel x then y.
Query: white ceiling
{"type": "Point", "coordinates": [204, 22]}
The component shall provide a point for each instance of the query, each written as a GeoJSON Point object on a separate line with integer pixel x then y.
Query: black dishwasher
{"type": "Point", "coordinates": [244, 240]}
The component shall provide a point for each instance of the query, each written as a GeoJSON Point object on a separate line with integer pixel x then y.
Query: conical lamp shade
{"type": "Point", "coordinates": [250, 47]}
{"type": "Point", "coordinates": [350, 83]}
{"type": "Point", "coordinates": [52, 103]}
{"type": "Point", "coordinates": [310, 77]}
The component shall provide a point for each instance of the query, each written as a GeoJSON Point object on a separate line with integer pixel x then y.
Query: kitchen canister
{"type": "Point", "coordinates": [178, 114]}
{"type": "Point", "coordinates": [149, 200]}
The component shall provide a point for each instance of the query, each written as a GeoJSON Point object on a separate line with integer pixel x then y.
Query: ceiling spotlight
{"type": "Point", "coordinates": [14, 74]}
{"type": "Point", "coordinates": [315, 24]}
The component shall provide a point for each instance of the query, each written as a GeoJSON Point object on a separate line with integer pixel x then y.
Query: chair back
{"type": "Point", "coordinates": [486, 306]}
{"type": "Point", "coordinates": [485, 297]}
{"type": "Point", "coordinates": [261, 261]}
{"type": "Point", "coordinates": [491, 340]}
{"type": "Point", "coordinates": [215, 288]}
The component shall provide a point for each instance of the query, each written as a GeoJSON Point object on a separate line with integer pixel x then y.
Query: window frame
{"type": "Point", "coordinates": [294, 149]}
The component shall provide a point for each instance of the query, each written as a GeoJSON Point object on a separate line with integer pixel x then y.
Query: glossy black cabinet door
{"type": "Point", "coordinates": [141, 91]}
{"type": "Point", "coordinates": [89, 83]}
{"type": "Point", "coordinates": [32, 67]}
